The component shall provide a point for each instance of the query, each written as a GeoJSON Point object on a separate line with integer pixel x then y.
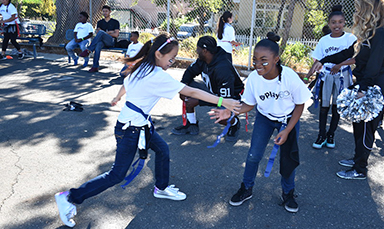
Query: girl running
{"type": "Point", "coordinates": [279, 96]}
{"type": "Point", "coordinates": [147, 83]}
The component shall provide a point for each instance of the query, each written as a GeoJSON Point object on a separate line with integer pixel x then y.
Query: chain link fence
{"type": "Point", "coordinates": [298, 22]}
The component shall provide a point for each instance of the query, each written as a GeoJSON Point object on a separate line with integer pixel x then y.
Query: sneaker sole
{"type": "Point", "coordinates": [346, 165]}
{"type": "Point", "coordinates": [69, 224]}
{"type": "Point", "coordinates": [239, 203]}
{"type": "Point", "coordinates": [292, 210]}
{"type": "Point", "coordinates": [168, 197]}
{"type": "Point", "coordinates": [331, 146]}
{"type": "Point", "coordinates": [318, 146]}
{"type": "Point", "coordinates": [351, 178]}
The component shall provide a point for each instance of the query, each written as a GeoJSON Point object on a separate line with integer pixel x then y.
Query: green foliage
{"type": "Point", "coordinates": [296, 56]}
{"type": "Point", "coordinates": [144, 37]}
{"type": "Point", "coordinates": [46, 9]}
{"type": "Point", "coordinates": [174, 24]}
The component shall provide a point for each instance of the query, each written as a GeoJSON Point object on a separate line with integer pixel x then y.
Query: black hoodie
{"type": "Point", "coordinates": [220, 76]}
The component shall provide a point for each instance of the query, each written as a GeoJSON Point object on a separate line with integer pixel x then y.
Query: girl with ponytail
{"type": "Point", "coordinates": [226, 34]}
{"type": "Point", "coordinates": [143, 87]}
{"type": "Point", "coordinates": [279, 96]}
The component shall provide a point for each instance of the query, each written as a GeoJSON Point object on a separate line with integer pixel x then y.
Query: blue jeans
{"type": "Point", "coordinates": [73, 44]}
{"type": "Point", "coordinates": [262, 132]}
{"type": "Point", "coordinates": [125, 153]}
{"type": "Point", "coordinates": [101, 40]}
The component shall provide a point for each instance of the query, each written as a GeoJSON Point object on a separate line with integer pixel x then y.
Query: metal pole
{"type": "Point", "coordinates": [251, 35]}
{"type": "Point", "coordinates": [168, 14]}
{"type": "Point", "coordinates": [90, 11]}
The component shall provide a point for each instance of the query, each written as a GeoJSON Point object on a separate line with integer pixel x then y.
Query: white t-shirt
{"type": "Point", "coordinates": [146, 92]}
{"type": "Point", "coordinates": [83, 29]}
{"type": "Point", "coordinates": [330, 45]}
{"type": "Point", "coordinates": [275, 99]}
{"type": "Point", "coordinates": [7, 15]}
{"type": "Point", "coordinates": [228, 36]}
{"type": "Point", "coordinates": [133, 49]}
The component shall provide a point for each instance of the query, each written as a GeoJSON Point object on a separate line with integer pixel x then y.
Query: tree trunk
{"type": "Point", "coordinates": [281, 10]}
{"type": "Point", "coordinates": [288, 25]}
{"type": "Point", "coordinates": [68, 16]}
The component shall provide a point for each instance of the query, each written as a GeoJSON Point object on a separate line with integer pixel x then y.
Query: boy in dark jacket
{"type": "Point", "coordinates": [219, 78]}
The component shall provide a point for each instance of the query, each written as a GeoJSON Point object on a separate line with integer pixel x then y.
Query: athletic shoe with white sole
{"type": "Point", "coordinates": [320, 142]}
{"type": "Point", "coordinates": [289, 201]}
{"type": "Point", "coordinates": [66, 209]}
{"type": "Point", "coordinates": [351, 174]}
{"type": "Point", "coordinates": [242, 195]}
{"type": "Point", "coordinates": [347, 162]}
{"type": "Point", "coordinates": [169, 192]}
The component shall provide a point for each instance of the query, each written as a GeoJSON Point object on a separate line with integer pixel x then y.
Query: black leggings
{"type": "Point", "coordinates": [12, 37]}
{"type": "Point", "coordinates": [323, 121]}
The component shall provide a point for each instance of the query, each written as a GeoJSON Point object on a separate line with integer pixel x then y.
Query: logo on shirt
{"type": "Point", "coordinates": [276, 96]}
{"type": "Point", "coordinates": [330, 49]}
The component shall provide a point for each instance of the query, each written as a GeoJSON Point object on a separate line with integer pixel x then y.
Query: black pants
{"type": "Point", "coordinates": [323, 117]}
{"type": "Point", "coordinates": [364, 134]}
{"type": "Point", "coordinates": [12, 37]}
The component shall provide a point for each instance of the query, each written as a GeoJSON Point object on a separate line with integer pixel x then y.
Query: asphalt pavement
{"type": "Point", "coordinates": [44, 150]}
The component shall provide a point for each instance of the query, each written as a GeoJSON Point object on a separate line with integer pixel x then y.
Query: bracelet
{"type": "Point", "coordinates": [220, 102]}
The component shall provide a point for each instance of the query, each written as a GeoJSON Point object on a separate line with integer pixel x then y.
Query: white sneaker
{"type": "Point", "coordinates": [67, 210]}
{"type": "Point", "coordinates": [170, 192]}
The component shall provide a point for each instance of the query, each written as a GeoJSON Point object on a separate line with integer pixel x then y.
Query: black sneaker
{"type": "Point", "coordinates": [192, 129]}
{"type": "Point", "coordinates": [20, 56]}
{"type": "Point", "coordinates": [2, 57]}
{"type": "Point", "coordinates": [320, 142]}
{"type": "Point", "coordinates": [330, 141]}
{"type": "Point", "coordinates": [233, 132]}
{"type": "Point", "coordinates": [289, 202]}
{"type": "Point", "coordinates": [242, 195]}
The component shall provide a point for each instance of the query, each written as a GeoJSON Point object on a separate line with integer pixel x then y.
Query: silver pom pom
{"type": "Point", "coordinates": [364, 109]}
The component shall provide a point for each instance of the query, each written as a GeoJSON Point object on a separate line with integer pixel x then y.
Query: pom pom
{"type": "Point", "coordinates": [356, 109]}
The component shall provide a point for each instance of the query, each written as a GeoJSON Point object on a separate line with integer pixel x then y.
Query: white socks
{"type": "Point", "coordinates": [191, 118]}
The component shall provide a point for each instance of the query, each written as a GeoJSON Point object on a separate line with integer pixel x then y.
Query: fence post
{"type": "Point", "coordinates": [251, 35]}
{"type": "Point", "coordinates": [168, 14]}
{"type": "Point", "coordinates": [90, 11]}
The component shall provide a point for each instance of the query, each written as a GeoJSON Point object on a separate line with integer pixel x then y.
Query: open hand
{"type": "Point", "coordinates": [220, 114]}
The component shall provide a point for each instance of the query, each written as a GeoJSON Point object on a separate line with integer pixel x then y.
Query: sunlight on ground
{"type": "Point", "coordinates": [208, 214]}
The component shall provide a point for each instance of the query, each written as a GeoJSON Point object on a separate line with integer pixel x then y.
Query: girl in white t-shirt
{"type": "Point", "coordinates": [333, 77]}
{"type": "Point", "coordinates": [143, 88]}
{"type": "Point", "coordinates": [226, 34]}
{"type": "Point", "coordinates": [10, 20]}
{"type": "Point", "coordinates": [279, 96]}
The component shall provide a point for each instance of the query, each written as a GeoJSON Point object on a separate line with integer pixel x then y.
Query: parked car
{"type": "Point", "coordinates": [191, 30]}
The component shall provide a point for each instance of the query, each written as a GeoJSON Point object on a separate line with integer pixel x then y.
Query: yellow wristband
{"type": "Point", "coordinates": [220, 102]}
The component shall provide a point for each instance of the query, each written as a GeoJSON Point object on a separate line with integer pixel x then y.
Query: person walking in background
{"type": "Point", "coordinates": [226, 34]}
{"type": "Point", "coordinates": [333, 77]}
{"type": "Point", "coordinates": [82, 37]}
{"type": "Point", "coordinates": [10, 20]}
{"type": "Point", "coordinates": [143, 88]}
{"type": "Point", "coordinates": [279, 96]}
{"type": "Point", "coordinates": [368, 52]}
{"type": "Point", "coordinates": [107, 31]}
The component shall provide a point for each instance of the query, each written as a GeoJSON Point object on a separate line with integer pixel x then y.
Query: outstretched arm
{"type": "Point", "coordinates": [220, 114]}
{"type": "Point", "coordinates": [231, 104]}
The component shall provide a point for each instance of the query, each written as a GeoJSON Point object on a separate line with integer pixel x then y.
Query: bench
{"type": "Point", "coordinates": [69, 35]}
{"type": "Point", "coordinates": [33, 34]}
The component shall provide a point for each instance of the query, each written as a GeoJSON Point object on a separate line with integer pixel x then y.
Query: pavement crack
{"type": "Point", "coordinates": [16, 180]}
